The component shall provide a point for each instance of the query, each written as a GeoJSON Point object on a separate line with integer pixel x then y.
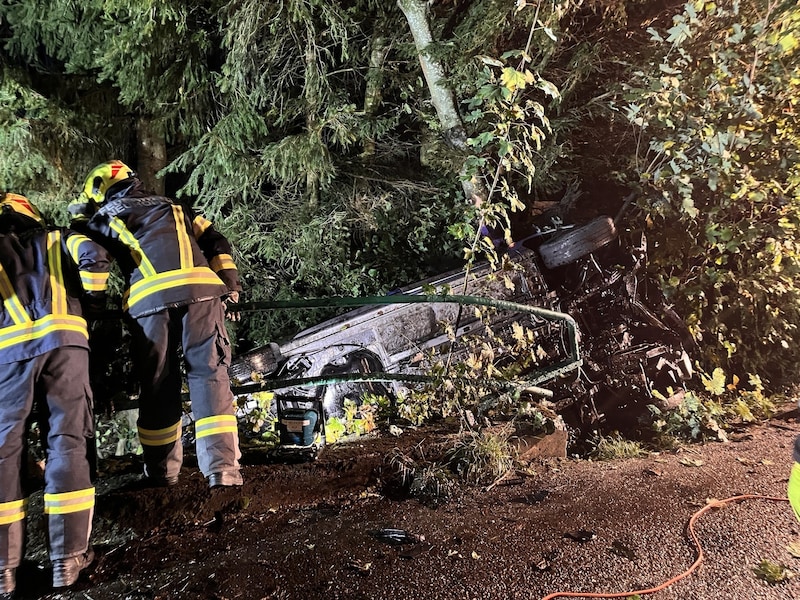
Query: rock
{"type": "Point", "coordinates": [533, 443]}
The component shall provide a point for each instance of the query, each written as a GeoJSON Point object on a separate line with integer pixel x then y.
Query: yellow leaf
{"type": "Point", "coordinates": [794, 549]}
{"type": "Point", "coordinates": [788, 43]}
{"type": "Point", "coordinates": [512, 79]}
{"type": "Point", "coordinates": [716, 383]}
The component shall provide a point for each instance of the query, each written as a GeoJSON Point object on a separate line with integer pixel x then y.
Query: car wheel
{"type": "Point", "coordinates": [334, 394]}
{"type": "Point", "coordinates": [577, 243]}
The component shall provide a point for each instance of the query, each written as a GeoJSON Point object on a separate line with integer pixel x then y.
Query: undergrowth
{"type": "Point", "coordinates": [706, 415]}
{"type": "Point", "coordinates": [481, 457]}
{"type": "Point", "coordinates": [432, 474]}
{"type": "Point", "coordinates": [615, 446]}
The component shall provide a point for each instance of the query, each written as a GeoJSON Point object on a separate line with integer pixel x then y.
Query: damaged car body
{"type": "Point", "coordinates": [628, 341]}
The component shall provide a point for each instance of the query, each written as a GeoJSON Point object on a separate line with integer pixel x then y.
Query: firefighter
{"type": "Point", "coordinates": [793, 489]}
{"type": "Point", "coordinates": [44, 366]}
{"type": "Point", "coordinates": [179, 275]}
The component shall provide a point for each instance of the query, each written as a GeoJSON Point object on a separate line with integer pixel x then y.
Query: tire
{"type": "Point", "coordinates": [578, 243]}
{"type": "Point", "coordinates": [333, 395]}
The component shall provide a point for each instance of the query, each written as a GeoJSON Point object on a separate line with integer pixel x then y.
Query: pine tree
{"type": "Point", "coordinates": [305, 127]}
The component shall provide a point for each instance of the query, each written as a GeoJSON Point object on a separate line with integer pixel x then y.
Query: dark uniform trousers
{"type": "Point", "coordinates": [200, 329]}
{"type": "Point", "coordinates": [58, 382]}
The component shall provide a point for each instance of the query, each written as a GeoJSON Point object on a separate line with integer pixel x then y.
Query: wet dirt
{"type": "Point", "coordinates": [319, 529]}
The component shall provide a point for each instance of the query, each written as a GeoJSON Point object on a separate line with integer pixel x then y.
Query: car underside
{"type": "Point", "coordinates": [629, 342]}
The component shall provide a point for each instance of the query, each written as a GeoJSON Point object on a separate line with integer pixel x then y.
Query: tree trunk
{"type": "Point", "coordinates": [373, 94]}
{"type": "Point", "coordinates": [442, 95]}
{"type": "Point", "coordinates": [151, 154]}
{"type": "Point", "coordinates": [311, 94]}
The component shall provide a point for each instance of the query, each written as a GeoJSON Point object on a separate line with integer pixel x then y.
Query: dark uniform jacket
{"type": "Point", "coordinates": [43, 275]}
{"type": "Point", "coordinates": [169, 256]}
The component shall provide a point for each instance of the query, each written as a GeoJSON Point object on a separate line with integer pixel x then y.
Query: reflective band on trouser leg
{"type": "Point", "coordinates": [217, 444]}
{"type": "Point", "coordinates": [160, 437]}
{"type": "Point", "coordinates": [69, 502]}
{"type": "Point", "coordinates": [162, 450]}
{"type": "Point", "coordinates": [12, 532]}
{"type": "Point", "coordinates": [215, 425]}
{"type": "Point", "coordinates": [69, 522]}
{"type": "Point", "coordinates": [13, 511]}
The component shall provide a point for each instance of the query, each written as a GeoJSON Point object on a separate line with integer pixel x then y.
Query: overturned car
{"type": "Point", "coordinates": [604, 338]}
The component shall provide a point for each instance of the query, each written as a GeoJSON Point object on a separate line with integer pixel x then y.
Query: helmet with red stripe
{"type": "Point", "coordinates": [102, 177]}
{"type": "Point", "coordinates": [14, 204]}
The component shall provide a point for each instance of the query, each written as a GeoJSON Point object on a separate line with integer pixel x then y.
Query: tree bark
{"type": "Point", "coordinates": [442, 96]}
{"type": "Point", "coordinates": [373, 95]}
{"type": "Point", "coordinates": [312, 118]}
{"type": "Point", "coordinates": [151, 154]}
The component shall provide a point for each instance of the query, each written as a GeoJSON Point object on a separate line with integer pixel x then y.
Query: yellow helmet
{"type": "Point", "coordinates": [103, 176]}
{"type": "Point", "coordinates": [20, 205]}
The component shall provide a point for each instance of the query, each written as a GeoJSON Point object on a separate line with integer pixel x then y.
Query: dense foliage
{"type": "Point", "coordinates": [718, 143]}
{"type": "Point", "coordinates": [302, 127]}
{"type": "Point", "coordinates": [306, 130]}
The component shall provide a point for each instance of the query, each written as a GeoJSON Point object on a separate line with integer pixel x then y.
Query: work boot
{"type": "Point", "coordinates": [67, 570]}
{"type": "Point", "coordinates": [8, 581]}
{"type": "Point", "coordinates": [146, 483]}
{"type": "Point", "coordinates": [160, 481]}
{"type": "Point", "coordinates": [225, 479]}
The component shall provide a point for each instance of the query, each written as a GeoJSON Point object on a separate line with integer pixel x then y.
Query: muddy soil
{"type": "Point", "coordinates": [318, 529]}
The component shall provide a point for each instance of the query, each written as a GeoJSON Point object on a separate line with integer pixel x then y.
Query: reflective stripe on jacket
{"type": "Point", "coordinates": [42, 277]}
{"type": "Point", "coordinates": [169, 256]}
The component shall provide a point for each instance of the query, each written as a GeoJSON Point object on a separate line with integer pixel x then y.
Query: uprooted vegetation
{"type": "Point", "coordinates": [487, 425]}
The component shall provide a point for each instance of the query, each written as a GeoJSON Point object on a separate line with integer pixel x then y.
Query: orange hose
{"type": "Point", "coordinates": [697, 562]}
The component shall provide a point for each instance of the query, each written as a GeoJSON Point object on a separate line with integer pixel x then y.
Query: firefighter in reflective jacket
{"type": "Point", "coordinates": [44, 363]}
{"type": "Point", "coordinates": [179, 273]}
{"type": "Point", "coordinates": [793, 488]}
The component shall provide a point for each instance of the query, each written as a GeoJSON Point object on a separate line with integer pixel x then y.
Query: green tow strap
{"type": "Point", "coordinates": [529, 384]}
{"type": "Point", "coordinates": [279, 384]}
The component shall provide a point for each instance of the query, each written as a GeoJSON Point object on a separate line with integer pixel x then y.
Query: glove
{"type": "Point", "coordinates": [232, 298]}
{"type": "Point", "coordinates": [793, 489]}
{"type": "Point", "coordinates": [94, 306]}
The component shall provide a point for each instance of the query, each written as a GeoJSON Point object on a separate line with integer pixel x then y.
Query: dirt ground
{"type": "Point", "coordinates": [318, 529]}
